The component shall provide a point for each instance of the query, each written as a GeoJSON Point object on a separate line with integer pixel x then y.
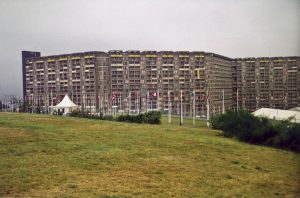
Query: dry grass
{"type": "Point", "coordinates": [44, 156]}
{"type": "Point", "coordinates": [13, 133]}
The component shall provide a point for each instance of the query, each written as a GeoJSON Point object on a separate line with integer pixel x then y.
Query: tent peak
{"type": "Point", "coordinates": [66, 102]}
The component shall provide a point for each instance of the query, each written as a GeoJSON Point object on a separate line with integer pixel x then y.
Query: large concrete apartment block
{"type": "Point", "coordinates": [268, 82]}
{"type": "Point", "coordinates": [138, 81]}
{"type": "Point", "coordinates": [49, 78]}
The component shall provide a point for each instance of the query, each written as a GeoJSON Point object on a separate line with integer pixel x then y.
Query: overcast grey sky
{"type": "Point", "coordinates": [233, 28]}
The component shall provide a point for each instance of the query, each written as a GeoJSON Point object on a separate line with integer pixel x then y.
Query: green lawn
{"type": "Point", "coordinates": [186, 121]}
{"type": "Point", "coordinates": [48, 156]}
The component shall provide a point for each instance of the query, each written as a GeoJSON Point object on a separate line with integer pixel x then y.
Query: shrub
{"type": "Point", "coordinates": [294, 137]}
{"type": "Point", "coordinates": [239, 124]}
{"type": "Point", "coordinates": [246, 127]}
{"type": "Point", "coordinates": [152, 117]}
{"type": "Point", "coordinates": [140, 118]}
{"type": "Point", "coordinates": [78, 113]}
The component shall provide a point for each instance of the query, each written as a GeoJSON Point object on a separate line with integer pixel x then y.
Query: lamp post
{"type": "Point", "coordinates": [207, 109]}
{"type": "Point", "coordinates": [194, 109]}
{"type": "Point", "coordinates": [169, 108]}
{"type": "Point", "coordinates": [181, 119]}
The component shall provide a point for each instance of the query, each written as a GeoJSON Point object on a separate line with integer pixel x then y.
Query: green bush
{"type": "Point", "coordinates": [79, 114]}
{"type": "Point", "coordinates": [239, 124]}
{"type": "Point", "coordinates": [294, 137]}
{"type": "Point", "coordinates": [152, 117]}
{"type": "Point", "coordinates": [246, 127]}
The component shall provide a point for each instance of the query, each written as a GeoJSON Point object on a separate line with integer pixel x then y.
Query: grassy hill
{"type": "Point", "coordinates": [48, 156]}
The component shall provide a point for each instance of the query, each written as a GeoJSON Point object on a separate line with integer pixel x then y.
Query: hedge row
{"type": "Point", "coordinates": [81, 114]}
{"type": "Point", "coordinates": [152, 117]}
{"type": "Point", "coordinates": [246, 127]}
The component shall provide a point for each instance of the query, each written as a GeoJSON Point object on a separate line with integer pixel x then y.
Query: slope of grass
{"type": "Point", "coordinates": [48, 156]}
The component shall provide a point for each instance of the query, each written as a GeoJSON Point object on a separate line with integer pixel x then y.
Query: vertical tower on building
{"type": "Point", "coordinates": [26, 55]}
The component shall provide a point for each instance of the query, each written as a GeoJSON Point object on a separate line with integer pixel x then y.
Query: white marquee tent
{"type": "Point", "coordinates": [66, 105]}
{"type": "Point", "coordinates": [278, 114]}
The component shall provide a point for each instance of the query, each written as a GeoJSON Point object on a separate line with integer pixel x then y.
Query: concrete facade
{"type": "Point", "coordinates": [268, 82]}
{"type": "Point", "coordinates": [139, 81]}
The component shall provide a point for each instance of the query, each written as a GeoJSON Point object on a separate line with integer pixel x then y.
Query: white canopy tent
{"type": "Point", "coordinates": [278, 114]}
{"type": "Point", "coordinates": [65, 106]}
